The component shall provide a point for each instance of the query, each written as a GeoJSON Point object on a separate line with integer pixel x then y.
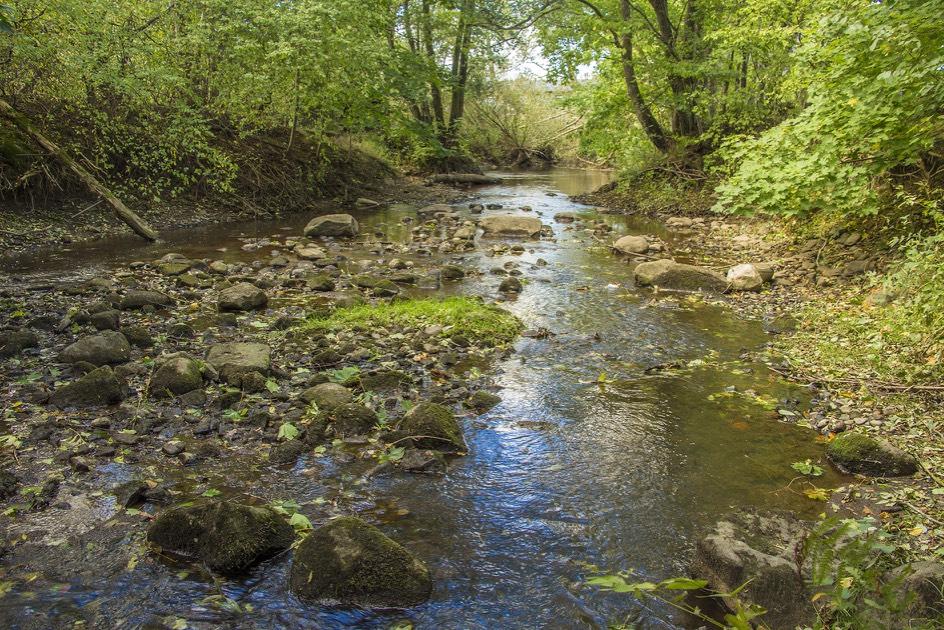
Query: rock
{"type": "Point", "coordinates": [242, 297]}
{"type": "Point", "coordinates": [464, 178]}
{"type": "Point", "coordinates": [351, 562]}
{"type": "Point", "coordinates": [510, 285]}
{"type": "Point", "coordinates": [451, 272]}
{"type": "Point", "coordinates": [227, 537]}
{"type": "Point", "coordinates": [632, 245]}
{"type": "Point", "coordinates": [107, 348]}
{"type": "Point", "coordinates": [566, 217]}
{"type": "Point", "coordinates": [352, 419]}
{"type": "Point", "coordinates": [98, 387]}
{"type": "Point", "coordinates": [139, 299]}
{"type": "Point", "coordinates": [219, 267]}
{"type": "Point", "coordinates": [233, 360]}
{"type": "Point", "coordinates": [859, 453]}
{"type": "Point", "coordinates": [173, 448]}
{"type": "Point", "coordinates": [130, 493]}
{"type": "Point", "coordinates": [672, 275]}
{"type": "Point", "coordinates": [106, 320]}
{"type": "Point", "coordinates": [679, 222]}
{"type": "Point", "coordinates": [745, 277]}
{"type": "Point", "coordinates": [925, 582]}
{"type": "Point", "coordinates": [13, 342]}
{"type": "Point", "coordinates": [436, 422]}
{"type": "Point", "coordinates": [762, 549]}
{"type": "Point", "coordinates": [138, 336]}
{"type": "Point", "coordinates": [880, 297]}
{"type": "Point", "coordinates": [176, 376]}
{"type": "Point", "coordinates": [482, 401]}
{"type": "Point", "coordinates": [766, 270]}
{"type": "Point", "coordinates": [287, 452]}
{"type": "Point", "coordinates": [511, 225]}
{"type": "Point", "coordinates": [327, 396]}
{"type": "Point", "coordinates": [332, 225]}
{"type": "Point", "coordinates": [319, 282]}
{"type": "Point", "coordinates": [415, 460]}
{"type": "Point", "coordinates": [364, 202]}
{"type": "Point", "coordinates": [379, 286]}
{"type": "Point", "coordinates": [311, 253]}
{"type": "Point", "coordinates": [434, 209]}
{"type": "Point", "coordinates": [8, 484]}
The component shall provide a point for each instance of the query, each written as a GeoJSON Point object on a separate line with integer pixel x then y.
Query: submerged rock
{"type": "Point", "coordinates": [227, 537]}
{"type": "Point", "coordinates": [242, 297]}
{"type": "Point", "coordinates": [510, 285]}
{"type": "Point", "coordinates": [482, 401]}
{"type": "Point", "coordinates": [632, 245]}
{"type": "Point", "coordinates": [351, 562]}
{"type": "Point", "coordinates": [107, 348]}
{"type": "Point", "coordinates": [745, 277]}
{"type": "Point", "coordinates": [98, 387]}
{"type": "Point", "coordinates": [379, 286]}
{"type": "Point", "coordinates": [672, 275]}
{"type": "Point", "coordinates": [234, 360]}
{"type": "Point", "coordinates": [511, 225]}
{"type": "Point", "coordinates": [762, 549]}
{"type": "Point", "coordinates": [859, 453]}
{"type": "Point", "coordinates": [434, 426]}
{"type": "Point", "coordinates": [332, 225]}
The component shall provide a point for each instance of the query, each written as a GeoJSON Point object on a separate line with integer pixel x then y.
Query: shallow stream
{"type": "Point", "coordinates": [588, 460]}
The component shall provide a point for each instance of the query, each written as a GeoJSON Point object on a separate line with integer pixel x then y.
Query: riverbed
{"type": "Point", "coordinates": [598, 457]}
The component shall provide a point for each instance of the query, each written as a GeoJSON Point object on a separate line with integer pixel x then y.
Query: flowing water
{"type": "Point", "coordinates": [571, 469]}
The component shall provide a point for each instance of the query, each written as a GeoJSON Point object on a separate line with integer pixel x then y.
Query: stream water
{"type": "Point", "coordinates": [567, 471]}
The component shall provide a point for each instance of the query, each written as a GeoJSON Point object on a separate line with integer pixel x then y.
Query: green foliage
{"type": "Point", "coordinates": [872, 76]}
{"type": "Point", "coordinates": [288, 431]}
{"type": "Point", "coordinates": [459, 316]}
{"type": "Point", "coordinates": [667, 591]}
{"type": "Point", "coordinates": [807, 467]}
{"type": "Point", "coordinates": [850, 560]}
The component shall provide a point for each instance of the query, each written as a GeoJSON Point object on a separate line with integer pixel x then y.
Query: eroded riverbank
{"type": "Point", "coordinates": [595, 454]}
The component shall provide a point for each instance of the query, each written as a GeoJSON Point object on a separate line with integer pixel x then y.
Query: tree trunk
{"type": "Point", "coordinates": [435, 91]}
{"type": "Point", "coordinates": [650, 125]}
{"type": "Point", "coordinates": [460, 73]}
{"type": "Point", "coordinates": [136, 223]}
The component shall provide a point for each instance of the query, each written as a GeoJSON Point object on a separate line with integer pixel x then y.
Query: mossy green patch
{"type": "Point", "coordinates": [464, 317]}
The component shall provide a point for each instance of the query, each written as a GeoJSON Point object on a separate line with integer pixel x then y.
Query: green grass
{"type": "Point", "coordinates": [459, 316]}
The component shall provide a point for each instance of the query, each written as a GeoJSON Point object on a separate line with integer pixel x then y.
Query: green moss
{"type": "Point", "coordinates": [227, 537]}
{"type": "Point", "coordinates": [352, 562]}
{"type": "Point", "coordinates": [859, 453]}
{"type": "Point", "coordinates": [459, 316]}
{"type": "Point", "coordinates": [437, 423]}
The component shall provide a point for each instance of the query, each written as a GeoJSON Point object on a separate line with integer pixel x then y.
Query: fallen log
{"type": "Point", "coordinates": [464, 178]}
{"type": "Point", "coordinates": [136, 223]}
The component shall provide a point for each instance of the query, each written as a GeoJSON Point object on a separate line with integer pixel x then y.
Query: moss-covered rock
{"type": "Point", "coordinates": [176, 375]}
{"type": "Point", "coordinates": [859, 453]}
{"type": "Point", "coordinates": [352, 419]}
{"type": "Point", "coordinates": [351, 562]}
{"type": "Point", "coordinates": [482, 401]}
{"type": "Point", "coordinates": [106, 348]}
{"type": "Point", "coordinates": [13, 342]}
{"type": "Point", "coordinates": [327, 396]}
{"type": "Point", "coordinates": [227, 537]}
{"type": "Point", "coordinates": [98, 387]}
{"type": "Point", "coordinates": [434, 426]}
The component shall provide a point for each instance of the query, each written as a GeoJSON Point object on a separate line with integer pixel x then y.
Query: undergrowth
{"type": "Point", "coordinates": [465, 317]}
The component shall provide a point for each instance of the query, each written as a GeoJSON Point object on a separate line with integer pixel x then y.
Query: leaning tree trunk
{"type": "Point", "coordinates": [136, 223]}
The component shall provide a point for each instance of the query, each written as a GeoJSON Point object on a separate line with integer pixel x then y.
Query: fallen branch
{"type": "Point", "coordinates": [136, 223]}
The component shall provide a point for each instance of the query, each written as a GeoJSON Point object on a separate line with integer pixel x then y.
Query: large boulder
{"type": "Point", "coordinates": [139, 299]}
{"type": "Point", "coordinates": [745, 277]}
{"type": "Point", "coordinates": [672, 275]}
{"type": "Point", "coordinates": [227, 537]}
{"type": "Point", "coordinates": [332, 225]}
{"type": "Point", "coordinates": [632, 245]}
{"type": "Point", "coordinates": [511, 225]}
{"type": "Point", "coordinates": [327, 396]}
{"type": "Point", "coordinates": [435, 426]}
{"type": "Point", "coordinates": [13, 342]}
{"type": "Point", "coordinates": [98, 387]}
{"type": "Point", "coordinates": [106, 348]}
{"type": "Point", "coordinates": [233, 360]}
{"type": "Point", "coordinates": [760, 550]}
{"type": "Point", "coordinates": [175, 376]}
{"type": "Point", "coordinates": [859, 453]}
{"type": "Point", "coordinates": [242, 297]}
{"type": "Point", "coordinates": [351, 562]}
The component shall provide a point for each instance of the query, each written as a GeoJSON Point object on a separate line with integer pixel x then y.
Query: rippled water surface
{"type": "Point", "coordinates": [566, 471]}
